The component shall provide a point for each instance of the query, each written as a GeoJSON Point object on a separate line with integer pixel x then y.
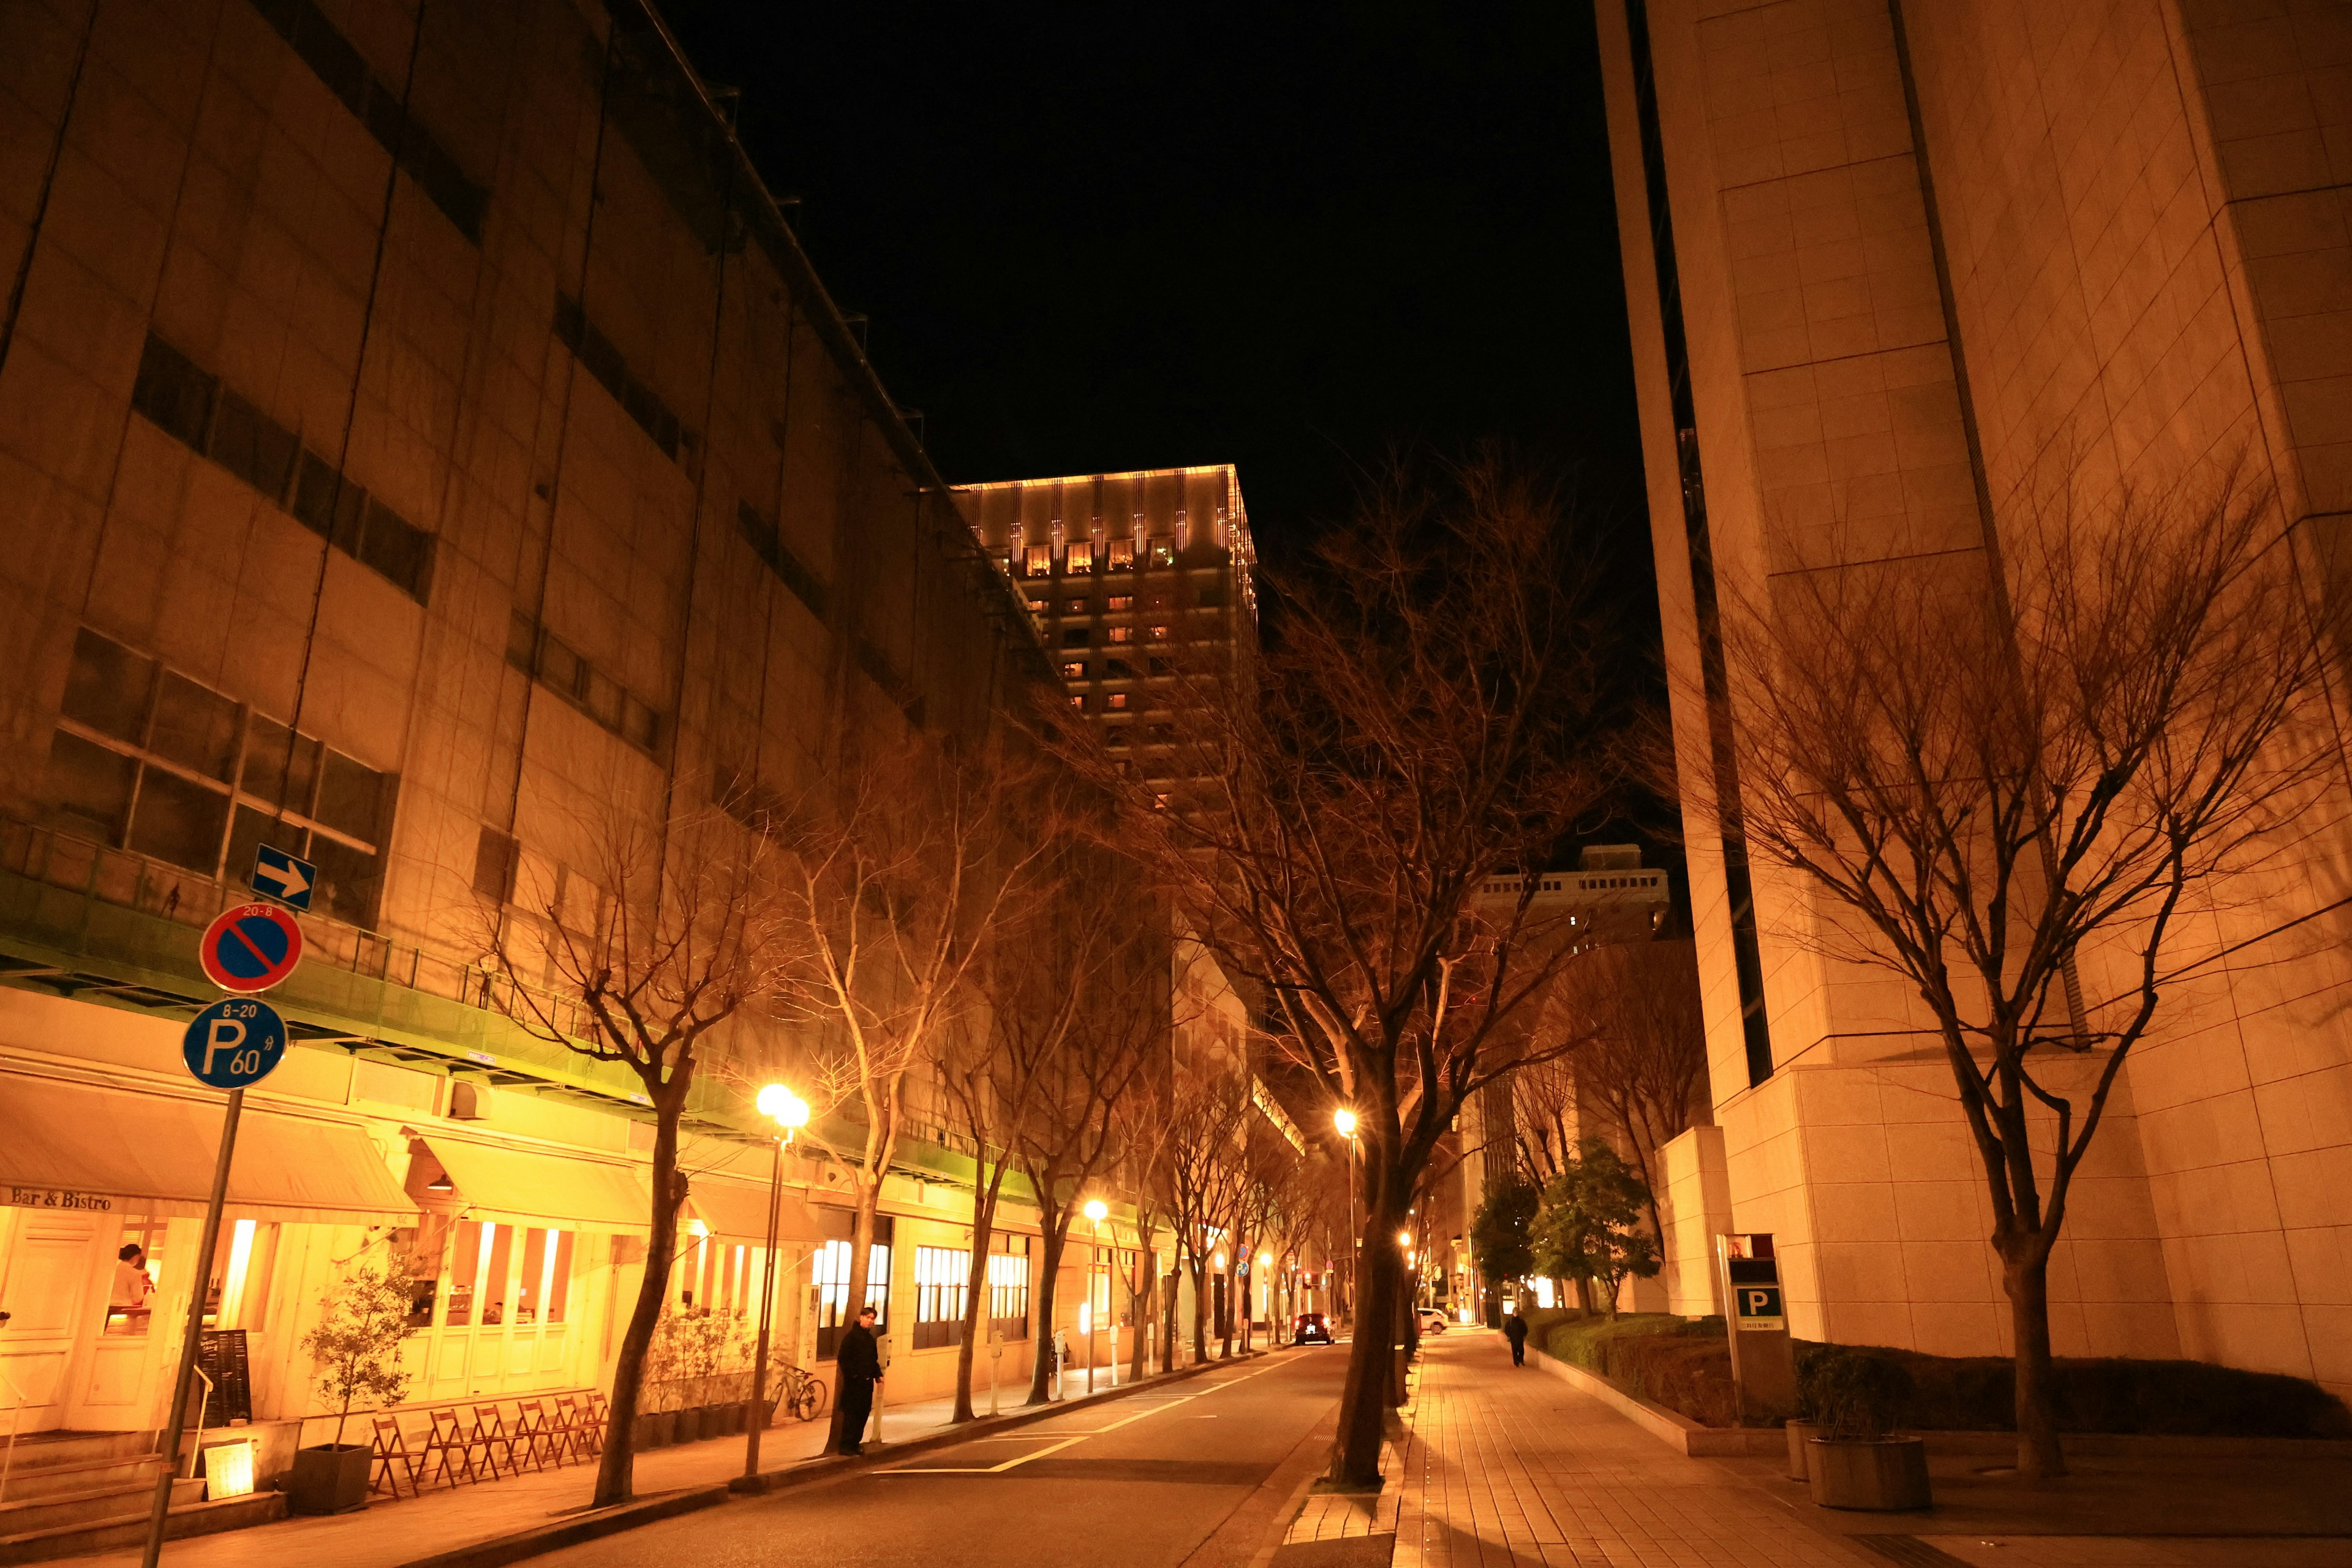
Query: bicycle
{"type": "Point", "coordinates": [799, 1391]}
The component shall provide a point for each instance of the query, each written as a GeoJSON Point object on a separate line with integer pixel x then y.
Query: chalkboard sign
{"type": "Point", "coordinates": [221, 1354]}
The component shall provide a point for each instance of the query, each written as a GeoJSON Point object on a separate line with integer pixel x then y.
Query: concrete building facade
{"type": "Point", "coordinates": [1890, 266]}
{"type": "Point", "coordinates": [418, 425]}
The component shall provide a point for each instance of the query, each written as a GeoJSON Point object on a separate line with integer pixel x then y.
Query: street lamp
{"type": "Point", "coordinates": [1097, 1211]}
{"type": "Point", "coordinates": [790, 1113]}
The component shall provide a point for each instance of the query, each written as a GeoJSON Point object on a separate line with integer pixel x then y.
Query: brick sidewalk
{"type": "Point", "coordinates": [1505, 1468]}
{"type": "Point", "coordinates": [387, 1534]}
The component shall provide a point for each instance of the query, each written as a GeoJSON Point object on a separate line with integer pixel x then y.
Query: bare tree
{"type": "Point", "coordinates": [663, 926]}
{"type": "Point", "coordinates": [2019, 791]}
{"type": "Point", "coordinates": [1142, 1142]}
{"type": "Point", "coordinates": [895, 873]}
{"type": "Point", "coordinates": [1639, 1078]}
{"type": "Point", "coordinates": [1113, 968]}
{"type": "Point", "coordinates": [1423, 724]}
{"type": "Point", "coordinates": [1201, 1174]}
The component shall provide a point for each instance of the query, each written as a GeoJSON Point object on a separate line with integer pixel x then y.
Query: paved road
{"type": "Point", "coordinates": [1194, 1475]}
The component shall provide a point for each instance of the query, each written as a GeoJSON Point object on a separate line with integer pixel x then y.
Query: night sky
{"type": "Point", "coordinates": [1290, 238]}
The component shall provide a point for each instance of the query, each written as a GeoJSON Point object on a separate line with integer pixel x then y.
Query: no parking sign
{"type": "Point", "coordinates": [250, 948]}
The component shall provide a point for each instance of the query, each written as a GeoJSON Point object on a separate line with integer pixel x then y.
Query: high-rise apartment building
{"type": "Point", "coordinates": [1131, 580]}
{"type": "Point", "coordinates": [1887, 262]}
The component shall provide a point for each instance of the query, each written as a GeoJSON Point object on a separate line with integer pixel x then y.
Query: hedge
{"type": "Point", "coordinates": [1685, 1365]}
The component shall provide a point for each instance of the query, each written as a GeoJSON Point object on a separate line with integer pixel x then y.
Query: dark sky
{"type": "Point", "coordinates": [1112, 237]}
{"type": "Point", "coordinates": [1292, 237]}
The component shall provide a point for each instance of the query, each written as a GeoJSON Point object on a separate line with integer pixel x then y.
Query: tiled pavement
{"type": "Point", "coordinates": [1505, 1468]}
{"type": "Point", "coordinates": [1508, 1469]}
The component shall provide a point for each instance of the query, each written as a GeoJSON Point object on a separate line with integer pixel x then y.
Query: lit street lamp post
{"type": "Point", "coordinates": [791, 1112]}
{"type": "Point", "coordinates": [1096, 1211]}
{"type": "Point", "coordinates": [1345, 1121]}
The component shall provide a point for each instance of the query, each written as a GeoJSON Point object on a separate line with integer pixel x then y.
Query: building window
{"type": "Point", "coordinates": [1118, 670]}
{"type": "Point", "coordinates": [1162, 667]}
{"type": "Point", "coordinates": [1074, 607]}
{"type": "Point", "coordinates": [829, 1272]}
{"type": "Point", "coordinates": [544, 1294]}
{"type": "Point", "coordinates": [1122, 602]}
{"type": "Point", "coordinates": [1120, 634]}
{"type": "Point", "coordinates": [1122, 554]}
{"type": "Point", "coordinates": [1081, 558]}
{"type": "Point", "coordinates": [152, 762]}
{"type": "Point", "coordinates": [1008, 1289]}
{"type": "Point", "coordinates": [191, 405]}
{"type": "Point", "coordinates": [767, 542]}
{"type": "Point", "coordinates": [1041, 562]}
{"type": "Point", "coordinates": [1116, 700]}
{"type": "Point", "coordinates": [1075, 670]}
{"type": "Point", "coordinates": [1078, 637]}
{"type": "Point", "coordinates": [1115, 740]}
{"type": "Point", "coordinates": [1036, 607]}
{"type": "Point", "coordinates": [601, 358]}
{"type": "Point", "coordinates": [1077, 701]}
{"type": "Point", "coordinates": [538, 652]}
{"type": "Point", "coordinates": [1159, 634]}
{"type": "Point", "coordinates": [941, 1277]}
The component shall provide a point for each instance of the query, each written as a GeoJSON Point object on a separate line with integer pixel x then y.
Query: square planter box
{"type": "Point", "coordinates": [1888, 1475]}
{"type": "Point", "coordinates": [332, 1478]}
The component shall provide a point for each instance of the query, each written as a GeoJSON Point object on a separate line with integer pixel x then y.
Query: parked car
{"type": "Point", "coordinates": [1432, 1321]}
{"type": "Point", "coordinates": [1311, 1329]}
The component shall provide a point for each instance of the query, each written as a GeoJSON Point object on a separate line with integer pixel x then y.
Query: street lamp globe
{"type": "Point", "coordinates": [1404, 1238]}
{"type": "Point", "coordinates": [1265, 1260]}
{"type": "Point", "coordinates": [1345, 1121]}
{"type": "Point", "coordinates": [1096, 1210]}
{"type": "Point", "coordinates": [782, 1107]}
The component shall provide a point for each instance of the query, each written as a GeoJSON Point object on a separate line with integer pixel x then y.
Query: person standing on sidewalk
{"type": "Point", "coordinates": [1515, 1328]}
{"type": "Point", "coordinates": [860, 1366]}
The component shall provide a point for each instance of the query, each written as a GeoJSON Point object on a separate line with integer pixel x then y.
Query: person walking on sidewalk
{"type": "Point", "coordinates": [1515, 1328]}
{"type": "Point", "coordinates": [860, 1365]}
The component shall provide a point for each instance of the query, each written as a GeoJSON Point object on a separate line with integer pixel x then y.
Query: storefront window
{"type": "Point", "coordinates": [830, 1273]}
{"type": "Point", "coordinates": [545, 1288]}
{"type": "Point", "coordinates": [941, 1275]}
{"type": "Point", "coordinates": [418, 1248]}
{"type": "Point", "coordinates": [1008, 1289]}
{"type": "Point", "coordinates": [479, 1271]}
{"type": "Point", "coordinates": [137, 1275]}
{"type": "Point", "coordinates": [237, 1295]}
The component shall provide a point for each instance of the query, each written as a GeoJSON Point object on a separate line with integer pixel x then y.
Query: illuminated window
{"type": "Point", "coordinates": [1116, 699]}
{"type": "Point", "coordinates": [544, 1293]}
{"type": "Point", "coordinates": [1123, 601]}
{"type": "Point", "coordinates": [1122, 554]}
{"type": "Point", "coordinates": [1077, 700]}
{"type": "Point", "coordinates": [1008, 1288]}
{"type": "Point", "coordinates": [1074, 607]}
{"type": "Point", "coordinates": [1036, 607]}
{"type": "Point", "coordinates": [829, 1272]}
{"type": "Point", "coordinates": [1120, 634]}
{"type": "Point", "coordinates": [1081, 558]}
{"type": "Point", "coordinates": [1041, 560]}
{"type": "Point", "coordinates": [941, 1277]}
{"type": "Point", "coordinates": [1159, 634]}
{"type": "Point", "coordinates": [1077, 670]}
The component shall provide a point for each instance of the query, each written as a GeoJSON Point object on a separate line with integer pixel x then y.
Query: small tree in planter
{"type": "Point", "coordinates": [1856, 1460]}
{"type": "Point", "coordinates": [356, 1351]}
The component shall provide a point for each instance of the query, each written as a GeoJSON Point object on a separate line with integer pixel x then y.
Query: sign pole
{"type": "Point", "coordinates": [197, 1284]}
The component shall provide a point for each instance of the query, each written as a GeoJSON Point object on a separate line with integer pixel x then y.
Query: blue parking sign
{"type": "Point", "coordinates": [234, 1044]}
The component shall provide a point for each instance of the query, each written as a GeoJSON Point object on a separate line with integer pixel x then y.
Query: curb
{"type": "Point", "coordinates": [501, 1549]}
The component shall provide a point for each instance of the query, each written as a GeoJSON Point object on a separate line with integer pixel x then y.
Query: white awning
{"type": "Point", "coordinates": [129, 1150]}
{"type": "Point", "coordinates": [515, 1184]}
{"type": "Point", "coordinates": [737, 1211]}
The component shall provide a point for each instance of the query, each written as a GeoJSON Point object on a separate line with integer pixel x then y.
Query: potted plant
{"type": "Point", "coordinates": [656, 1425]}
{"type": "Point", "coordinates": [1856, 1460]}
{"type": "Point", "coordinates": [355, 1353]}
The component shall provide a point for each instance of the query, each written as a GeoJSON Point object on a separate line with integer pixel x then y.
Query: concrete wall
{"type": "Point", "coordinates": [2141, 206]}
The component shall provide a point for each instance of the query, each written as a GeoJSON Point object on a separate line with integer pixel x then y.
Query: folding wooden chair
{"type": "Point", "coordinates": [595, 1417]}
{"type": "Point", "coordinates": [532, 1433]}
{"type": "Point", "coordinates": [490, 1436]}
{"type": "Point", "coordinates": [453, 1444]}
{"type": "Point", "coordinates": [571, 1422]}
{"type": "Point", "coordinates": [391, 1459]}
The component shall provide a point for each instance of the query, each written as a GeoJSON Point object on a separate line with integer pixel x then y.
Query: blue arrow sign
{"type": "Point", "coordinates": [282, 876]}
{"type": "Point", "coordinates": [234, 1044]}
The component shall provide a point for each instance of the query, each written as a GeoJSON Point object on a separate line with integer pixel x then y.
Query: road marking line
{"type": "Point", "coordinates": [1039, 1453]}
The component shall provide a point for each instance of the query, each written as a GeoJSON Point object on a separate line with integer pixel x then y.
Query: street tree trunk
{"type": "Point", "coordinates": [1167, 1294]}
{"type": "Point", "coordinates": [976, 1296]}
{"type": "Point", "coordinates": [2027, 1281]}
{"type": "Point", "coordinates": [1041, 1371]}
{"type": "Point", "coordinates": [1140, 1291]}
{"type": "Point", "coordinates": [616, 1470]}
{"type": "Point", "coordinates": [1363, 1398]}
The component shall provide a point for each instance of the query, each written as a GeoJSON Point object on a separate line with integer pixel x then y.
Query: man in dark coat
{"type": "Point", "coordinates": [859, 1364]}
{"type": "Point", "coordinates": [1515, 1328]}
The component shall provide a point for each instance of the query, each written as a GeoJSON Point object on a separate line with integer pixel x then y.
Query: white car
{"type": "Point", "coordinates": [1432, 1321]}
